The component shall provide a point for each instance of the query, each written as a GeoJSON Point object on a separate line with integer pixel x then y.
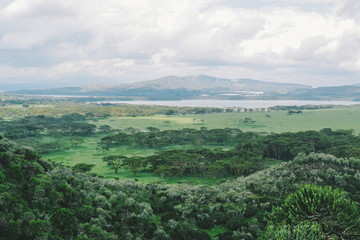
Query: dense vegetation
{"type": "Point", "coordinates": [43, 200]}
{"type": "Point", "coordinates": [18, 107]}
{"type": "Point", "coordinates": [253, 150]}
{"type": "Point", "coordinates": [283, 146]}
{"type": "Point", "coordinates": [155, 138]}
{"type": "Point", "coordinates": [257, 185]}
{"type": "Point", "coordinates": [32, 126]}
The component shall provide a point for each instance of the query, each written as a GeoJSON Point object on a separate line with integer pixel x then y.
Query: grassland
{"type": "Point", "coordinates": [88, 153]}
{"type": "Point", "coordinates": [279, 121]}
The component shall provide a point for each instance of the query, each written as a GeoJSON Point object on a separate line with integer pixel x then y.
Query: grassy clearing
{"type": "Point", "coordinates": [338, 118]}
{"type": "Point", "coordinates": [88, 153]}
{"type": "Point", "coordinates": [279, 121]}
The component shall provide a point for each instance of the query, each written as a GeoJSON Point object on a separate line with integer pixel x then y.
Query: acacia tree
{"type": "Point", "coordinates": [76, 141]}
{"type": "Point", "coordinates": [133, 163]}
{"type": "Point", "coordinates": [83, 167]}
{"type": "Point", "coordinates": [115, 161]}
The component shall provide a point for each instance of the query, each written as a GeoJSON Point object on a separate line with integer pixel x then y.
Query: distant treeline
{"type": "Point", "coordinates": [283, 146]}
{"type": "Point", "coordinates": [202, 162]}
{"type": "Point", "coordinates": [304, 107]}
{"type": "Point", "coordinates": [99, 110]}
{"type": "Point", "coordinates": [155, 138]}
{"type": "Point", "coordinates": [32, 126]}
{"type": "Point", "coordinates": [253, 152]}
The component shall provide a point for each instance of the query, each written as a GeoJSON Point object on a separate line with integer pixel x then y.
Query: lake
{"type": "Point", "coordinates": [236, 103]}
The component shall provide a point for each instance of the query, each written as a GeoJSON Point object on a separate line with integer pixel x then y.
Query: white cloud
{"type": "Point", "coordinates": [142, 39]}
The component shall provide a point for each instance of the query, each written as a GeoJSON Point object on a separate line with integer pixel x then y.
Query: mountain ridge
{"type": "Point", "coordinates": [206, 87]}
{"type": "Point", "coordinates": [206, 82]}
{"type": "Point", "coordinates": [188, 82]}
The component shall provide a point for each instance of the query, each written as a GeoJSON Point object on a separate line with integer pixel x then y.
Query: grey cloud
{"type": "Point", "coordinates": [350, 9]}
{"type": "Point", "coordinates": [53, 39]}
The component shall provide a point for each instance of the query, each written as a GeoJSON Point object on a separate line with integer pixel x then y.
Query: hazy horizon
{"type": "Point", "coordinates": [84, 83]}
{"type": "Point", "coordinates": [53, 43]}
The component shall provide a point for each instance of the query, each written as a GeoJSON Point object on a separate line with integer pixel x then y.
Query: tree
{"type": "Point", "coordinates": [332, 209]}
{"type": "Point", "coordinates": [65, 222]}
{"type": "Point", "coordinates": [83, 167]}
{"type": "Point", "coordinates": [301, 231]}
{"type": "Point", "coordinates": [50, 146]}
{"type": "Point", "coordinates": [103, 145]}
{"type": "Point", "coordinates": [105, 129]}
{"type": "Point", "coordinates": [133, 163]}
{"type": "Point", "coordinates": [76, 141]}
{"type": "Point", "coordinates": [170, 112]}
{"type": "Point", "coordinates": [166, 171]}
{"type": "Point", "coordinates": [115, 161]}
{"type": "Point", "coordinates": [214, 170]}
{"type": "Point", "coordinates": [39, 229]}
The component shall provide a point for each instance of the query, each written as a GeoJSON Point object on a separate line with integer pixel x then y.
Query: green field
{"type": "Point", "coordinates": [88, 153]}
{"type": "Point", "coordinates": [279, 121]}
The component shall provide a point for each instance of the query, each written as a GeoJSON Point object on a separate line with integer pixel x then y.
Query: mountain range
{"type": "Point", "coordinates": [205, 87]}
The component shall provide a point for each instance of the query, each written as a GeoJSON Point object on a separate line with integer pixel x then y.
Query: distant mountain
{"type": "Point", "coordinates": [206, 87]}
{"type": "Point", "coordinates": [173, 87]}
{"type": "Point", "coordinates": [348, 92]}
{"type": "Point", "coordinates": [203, 82]}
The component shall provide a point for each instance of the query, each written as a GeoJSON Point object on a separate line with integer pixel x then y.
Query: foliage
{"type": "Point", "coordinates": [332, 210]}
{"type": "Point", "coordinates": [283, 146]}
{"type": "Point", "coordinates": [302, 230]}
{"type": "Point", "coordinates": [203, 163]}
{"type": "Point", "coordinates": [154, 138]}
{"type": "Point", "coordinates": [83, 167]}
{"type": "Point", "coordinates": [30, 126]}
{"type": "Point", "coordinates": [43, 200]}
{"type": "Point", "coordinates": [114, 162]}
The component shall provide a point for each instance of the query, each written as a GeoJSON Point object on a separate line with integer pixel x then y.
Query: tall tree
{"type": "Point", "coordinates": [133, 163]}
{"type": "Point", "coordinates": [115, 161]}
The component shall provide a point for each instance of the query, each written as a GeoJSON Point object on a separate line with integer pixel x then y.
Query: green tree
{"type": "Point", "coordinates": [301, 231]}
{"type": "Point", "coordinates": [83, 167]}
{"type": "Point", "coordinates": [133, 163]}
{"type": "Point", "coordinates": [104, 128]}
{"type": "Point", "coordinates": [332, 209]}
{"type": "Point", "coordinates": [76, 141]}
{"type": "Point", "coordinates": [115, 161]}
{"type": "Point", "coordinates": [65, 222]}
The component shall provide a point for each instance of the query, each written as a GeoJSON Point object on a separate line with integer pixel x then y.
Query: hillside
{"type": "Point", "coordinates": [205, 87]}
{"type": "Point", "coordinates": [203, 82]}
{"type": "Point", "coordinates": [173, 87]}
{"type": "Point", "coordinates": [350, 92]}
{"type": "Point", "coordinates": [44, 200]}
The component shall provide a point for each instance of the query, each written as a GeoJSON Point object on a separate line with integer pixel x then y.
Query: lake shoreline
{"type": "Point", "coordinates": [234, 103]}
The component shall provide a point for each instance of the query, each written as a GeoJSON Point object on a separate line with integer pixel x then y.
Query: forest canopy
{"type": "Point", "coordinates": [44, 200]}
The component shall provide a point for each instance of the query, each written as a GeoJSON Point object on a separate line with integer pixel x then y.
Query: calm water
{"type": "Point", "coordinates": [235, 103]}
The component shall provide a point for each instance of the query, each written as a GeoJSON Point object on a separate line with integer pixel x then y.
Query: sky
{"type": "Point", "coordinates": [55, 43]}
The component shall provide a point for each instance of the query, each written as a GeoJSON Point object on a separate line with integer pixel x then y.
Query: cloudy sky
{"type": "Point", "coordinates": [48, 43]}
